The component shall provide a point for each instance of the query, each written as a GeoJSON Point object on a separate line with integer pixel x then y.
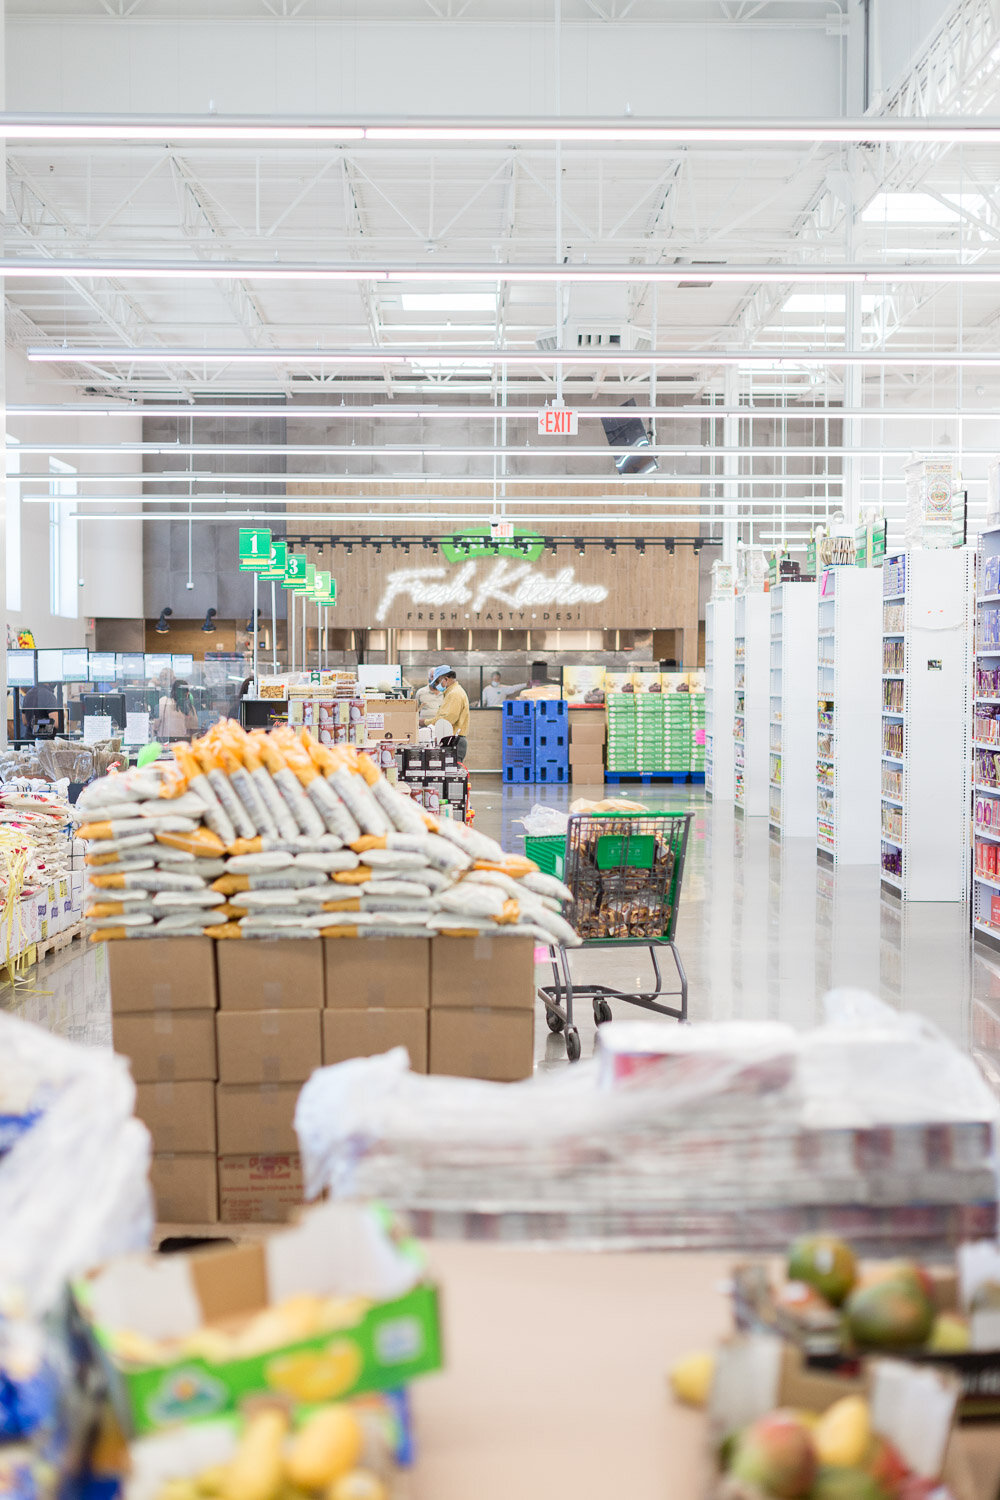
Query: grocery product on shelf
{"type": "Point", "coordinates": [273, 834]}
{"type": "Point", "coordinates": [986, 736]}
{"type": "Point", "coordinates": [751, 698]}
{"type": "Point", "coordinates": [41, 887]}
{"type": "Point", "coordinates": [793, 674]}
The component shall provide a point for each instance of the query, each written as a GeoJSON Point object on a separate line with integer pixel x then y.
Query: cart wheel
{"type": "Point", "coordinates": [572, 1044]}
{"type": "Point", "coordinates": [602, 1012]}
{"type": "Point", "coordinates": [555, 1023]}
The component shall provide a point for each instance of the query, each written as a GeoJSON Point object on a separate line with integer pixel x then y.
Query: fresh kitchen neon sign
{"type": "Point", "coordinates": [475, 541]}
{"type": "Point", "coordinates": [506, 587]}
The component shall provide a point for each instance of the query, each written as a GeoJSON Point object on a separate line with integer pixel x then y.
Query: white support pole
{"type": "Point", "coordinates": [305, 657]}
{"type": "Point", "coordinates": [256, 628]}
{"type": "Point", "coordinates": [730, 465]}
{"type": "Point", "coordinates": [290, 627]}
{"type": "Point", "coordinates": [274, 626]}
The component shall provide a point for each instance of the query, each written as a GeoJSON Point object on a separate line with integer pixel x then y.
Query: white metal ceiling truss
{"type": "Point", "coordinates": [813, 14]}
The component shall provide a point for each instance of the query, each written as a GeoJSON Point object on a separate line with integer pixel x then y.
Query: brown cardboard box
{"type": "Point", "coordinates": [363, 1033]}
{"type": "Point", "coordinates": [185, 1189]}
{"type": "Point", "coordinates": [495, 973]}
{"type": "Point", "coordinates": [268, 1046]}
{"type": "Point", "coordinates": [179, 1116]}
{"type": "Point", "coordinates": [166, 1046]}
{"type": "Point", "coordinates": [587, 729]}
{"type": "Point", "coordinates": [168, 974]}
{"type": "Point", "coordinates": [391, 719]}
{"type": "Point", "coordinates": [380, 971]}
{"type": "Point", "coordinates": [495, 1044]}
{"type": "Point", "coordinates": [259, 1189]}
{"type": "Point", "coordinates": [256, 1118]}
{"type": "Point", "coordinates": [270, 974]}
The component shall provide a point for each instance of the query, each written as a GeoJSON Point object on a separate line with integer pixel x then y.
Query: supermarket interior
{"type": "Point", "coordinates": [500, 771]}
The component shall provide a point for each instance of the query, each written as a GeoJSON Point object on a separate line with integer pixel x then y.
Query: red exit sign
{"type": "Point", "coordinates": [558, 419]}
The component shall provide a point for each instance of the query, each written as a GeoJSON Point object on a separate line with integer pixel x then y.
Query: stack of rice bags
{"type": "Point", "coordinates": [34, 836]}
{"type": "Point", "coordinates": [274, 835]}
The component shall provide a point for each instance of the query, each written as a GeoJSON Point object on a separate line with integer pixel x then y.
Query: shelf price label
{"type": "Point", "coordinates": [255, 549]}
{"type": "Point", "coordinates": [296, 575]}
{"type": "Point", "coordinates": [278, 563]}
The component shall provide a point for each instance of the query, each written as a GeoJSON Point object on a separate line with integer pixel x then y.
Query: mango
{"type": "Point", "coordinates": [825, 1263]}
{"type": "Point", "coordinates": [950, 1335]}
{"type": "Point", "coordinates": [691, 1377]}
{"type": "Point", "coordinates": [838, 1483]}
{"type": "Point", "coordinates": [843, 1433]}
{"type": "Point", "coordinates": [776, 1454]}
{"type": "Point", "coordinates": [893, 1314]}
{"type": "Point", "coordinates": [328, 1444]}
{"type": "Point", "coordinates": [257, 1471]}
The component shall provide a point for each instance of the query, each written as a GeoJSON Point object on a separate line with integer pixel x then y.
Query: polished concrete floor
{"type": "Point", "coordinates": [764, 931]}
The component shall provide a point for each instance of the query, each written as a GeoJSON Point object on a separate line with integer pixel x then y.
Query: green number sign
{"type": "Point", "coordinates": [295, 571]}
{"type": "Point", "coordinates": [275, 570]}
{"type": "Point", "coordinates": [255, 549]}
{"type": "Point", "coordinates": [321, 588]}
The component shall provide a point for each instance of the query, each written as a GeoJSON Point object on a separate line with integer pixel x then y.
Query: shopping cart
{"type": "Point", "coordinates": [625, 871]}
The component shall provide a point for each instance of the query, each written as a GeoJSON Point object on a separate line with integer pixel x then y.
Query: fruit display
{"type": "Point", "coordinates": [800, 1454]}
{"type": "Point", "coordinates": [347, 1451]}
{"type": "Point", "coordinates": [837, 1310]}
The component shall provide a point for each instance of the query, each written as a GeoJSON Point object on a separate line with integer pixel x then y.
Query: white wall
{"type": "Point", "coordinates": [110, 553]}
{"type": "Point", "coordinates": [417, 67]}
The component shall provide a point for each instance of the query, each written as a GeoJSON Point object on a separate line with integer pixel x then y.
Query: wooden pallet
{"type": "Point", "coordinates": [58, 941]}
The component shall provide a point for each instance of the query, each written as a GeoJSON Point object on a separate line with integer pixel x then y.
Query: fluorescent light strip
{"type": "Point", "coordinates": [568, 358]}
{"type": "Point", "coordinates": [18, 268]}
{"type": "Point", "coordinates": [540, 130]}
{"type": "Point", "coordinates": [527, 413]}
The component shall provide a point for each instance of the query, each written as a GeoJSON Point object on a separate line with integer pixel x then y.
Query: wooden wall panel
{"type": "Point", "coordinates": [655, 589]}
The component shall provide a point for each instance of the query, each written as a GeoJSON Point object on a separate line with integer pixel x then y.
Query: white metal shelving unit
{"type": "Point", "coordinates": [927, 602]}
{"type": "Point", "coordinates": [720, 680]}
{"type": "Point", "coordinates": [751, 653]}
{"type": "Point", "coordinates": [849, 715]}
{"type": "Point", "coordinates": [791, 727]}
{"type": "Point", "coordinates": [986, 743]}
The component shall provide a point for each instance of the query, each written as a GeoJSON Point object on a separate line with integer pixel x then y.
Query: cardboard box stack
{"type": "Point", "coordinates": [587, 733]}
{"type": "Point", "coordinates": [269, 1029]}
{"type": "Point", "coordinates": [163, 1007]}
{"type": "Point", "coordinates": [377, 996]}
{"type": "Point", "coordinates": [482, 1007]}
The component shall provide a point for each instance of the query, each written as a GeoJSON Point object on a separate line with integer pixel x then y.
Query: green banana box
{"type": "Point", "coordinates": [334, 1306]}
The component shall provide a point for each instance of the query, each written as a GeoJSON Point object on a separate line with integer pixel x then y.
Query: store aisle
{"type": "Point", "coordinates": [764, 931]}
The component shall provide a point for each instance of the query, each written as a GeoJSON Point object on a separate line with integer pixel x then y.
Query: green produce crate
{"type": "Point", "coordinates": [548, 851]}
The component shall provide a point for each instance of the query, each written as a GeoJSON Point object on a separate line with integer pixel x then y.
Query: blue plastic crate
{"type": "Point", "coordinates": [551, 712]}
{"type": "Point", "coordinates": [552, 773]}
{"type": "Point", "coordinates": [515, 740]}
{"type": "Point", "coordinates": [518, 775]}
{"type": "Point", "coordinates": [518, 708]}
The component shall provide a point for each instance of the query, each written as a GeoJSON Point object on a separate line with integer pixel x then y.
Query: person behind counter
{"type": "Point", "coordinates": [176, 718]}
{"type": "Point", "coordinates": [493, 693]}
{"type": "Point", "coordinates": [454, 705]}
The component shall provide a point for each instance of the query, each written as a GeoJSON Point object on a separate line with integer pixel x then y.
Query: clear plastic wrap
{"type": "Point", "coordinates": [74, 1164]}
{"type": "Point", "coordinates": [874, 1126]}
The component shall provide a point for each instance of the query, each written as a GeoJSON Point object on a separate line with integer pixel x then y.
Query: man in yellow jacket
{"type": "Point", "coordinates": [454, 705]}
